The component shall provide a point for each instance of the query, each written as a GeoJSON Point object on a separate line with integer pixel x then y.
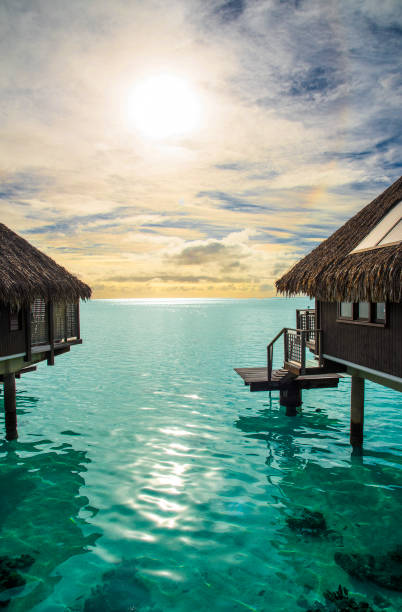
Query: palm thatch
{"type": "Point", "coordinates": [331, 273]}
{"type": "Point", "coordinates": [26, 273]}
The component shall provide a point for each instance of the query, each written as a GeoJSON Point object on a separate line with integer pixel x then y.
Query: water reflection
{"type": "Point", "coordinates": [42, 482]}
{"type": "Point", "coordinates": [327, 504]}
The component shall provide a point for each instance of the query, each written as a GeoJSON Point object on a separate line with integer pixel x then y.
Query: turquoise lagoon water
{"type": "Point", "coordinates": [148, 478]}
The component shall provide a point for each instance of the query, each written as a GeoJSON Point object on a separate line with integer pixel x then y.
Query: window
{"type": "Point", "coordinates": [366, 313]}
{"type": "Point", "coordinates": [15, 320]}
{"type": "Point", "coordinates": [394, 234]}
{"type": "Point", "coordinates": [379, 313]}
{"type": "Point", "coordinates": [363, 311]}
{"type": "Point", "coordinates": [387, 231]}
{"type": "Point", "coordinates": [346, 310]}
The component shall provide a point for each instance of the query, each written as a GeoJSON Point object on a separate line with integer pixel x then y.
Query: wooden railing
{"type": "Point", "coordinates": [270, 353]}
{"type": "Point", "coordinates": [295, 346]}
{"type": "Point", "coordinates": [50, 323]}
{"type": "Point", "coordinates": [39, 323]}
{"type": "Point", "coordinates": [295, 343]}
{"type": "Point", "coordinates": [306, 319]}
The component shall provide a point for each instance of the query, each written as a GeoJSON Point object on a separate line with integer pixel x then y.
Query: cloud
{"type": "Point", "coordinates": [80, 222]}
{"type": "Point", "coordinates": [203, 227]}
{"type": "Point", "coordinates": [196, 255]}
{"type": "Point", "coordinates": [21, 186]}
{"type": "Point", "coordinates": [314, 80]}
{"type": "Point", "coordinates": [173, 278]}
{"type": "Point", "coordinates": [230, 10]}
{"type": "Point", "coordinates": [300, 127]}
{"type": "Point", "coordinates": [228, 202]}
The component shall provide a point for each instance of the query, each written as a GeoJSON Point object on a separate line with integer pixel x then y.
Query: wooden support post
{"type": "Point", "coordinates": [291, 397]}
{"type": "Point", "coordinates": [10, 407]}
{"type": "Point", "coordinates": [357, 411]}
{"type": "Point", "coordinates": [28, 333]}
{"type": "Point", "coordinates": [78, 320]}
{"type": "Point", "coordinates": [50, 314]}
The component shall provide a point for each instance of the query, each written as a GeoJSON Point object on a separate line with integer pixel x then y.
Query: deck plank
{"type": "Point", "coordinates": [257, 379]}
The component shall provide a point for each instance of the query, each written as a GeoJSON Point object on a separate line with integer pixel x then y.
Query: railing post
{"type": "Point", "coordinates": [318, 347]}
{"type": "Point", "coordinates": [285, 346]}
{"type": "Point", "coordinates": [270, 353]}
{"type": "Point", "coordinates": [303, 351]}
{"type": "Point", "coordinates": [269, 362]}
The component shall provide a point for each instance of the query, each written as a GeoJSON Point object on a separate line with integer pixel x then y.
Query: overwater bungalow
{"type": "Point", "coordinates": [356, 326]}
{"type": "Point", "coordinates": [39, 314]}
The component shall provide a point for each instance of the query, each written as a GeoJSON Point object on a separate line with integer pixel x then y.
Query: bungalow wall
{"type": "Point", "coordinates": [15, 338]}
{"type": "Point", "coordinates": [377, 348]}
{"type": "Point", "coordinates": [12, 342]}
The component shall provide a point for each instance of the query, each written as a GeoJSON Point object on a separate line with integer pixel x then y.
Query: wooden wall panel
{"type": "Point", "coordinates": [13, 342]}
{"type": "Point", "coordinates": [378, 348]}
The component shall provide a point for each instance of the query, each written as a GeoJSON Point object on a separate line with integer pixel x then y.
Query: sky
{"type": "Point", "coordinates": [194, 148]}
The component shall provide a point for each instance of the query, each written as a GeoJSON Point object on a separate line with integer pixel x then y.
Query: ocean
{"type": "Point", "coordinates": [148, 478]}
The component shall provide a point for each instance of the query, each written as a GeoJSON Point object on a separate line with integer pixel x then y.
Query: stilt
{"type": "Point", "coordinates": [10, 406]}
{"type": "Point", "coordinates": [357, 411]}
{"type": "Point", "coordinates": [291, 397]}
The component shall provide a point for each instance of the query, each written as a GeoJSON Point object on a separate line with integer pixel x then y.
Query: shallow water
{"type": "Point", "coordinates": [148, 477]}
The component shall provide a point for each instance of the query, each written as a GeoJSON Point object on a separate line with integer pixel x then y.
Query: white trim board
{"type": "Point", "coordinates": [396, 379]}
{"type": "Point", "coordinates": [7, 357]}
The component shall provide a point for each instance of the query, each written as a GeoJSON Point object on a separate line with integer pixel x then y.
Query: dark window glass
{"type": "Point", "coordinates": [364, 310]}
{"type": "Point", "coordinates": [380, 311]}
{"type": "Point", "coordinates": [346, 310]}
{"type": "Point", "coordinates": [15, 320]}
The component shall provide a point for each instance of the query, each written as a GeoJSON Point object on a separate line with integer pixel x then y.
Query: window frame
{"type": "Point", "coordinates": [371, 321]}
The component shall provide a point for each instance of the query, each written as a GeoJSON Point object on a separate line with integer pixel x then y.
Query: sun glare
{"type": "Point", "coordinates": [163, 106]}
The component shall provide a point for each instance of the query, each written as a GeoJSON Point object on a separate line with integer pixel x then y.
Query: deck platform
{"type": "Point", "coordinates": [257, 379]}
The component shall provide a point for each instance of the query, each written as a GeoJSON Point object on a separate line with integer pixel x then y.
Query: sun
{"type": "Point", "coordinates": [163, 106]}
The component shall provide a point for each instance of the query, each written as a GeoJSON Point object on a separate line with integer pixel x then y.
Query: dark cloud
{"type": "Point", "coordinates": [231, 266]}
{"type": "Point", "coordinates": [209, 230]}
{"type": "Point", "coordinates": [22, 186]}
{"type": "Point", "coordinates": [388, 33]}
{"type": "Point", "coordinates": [70, 225]}
{"type": "Point", "coordinates": [292, 4]}
{"type": "Point", "coordinates": [87, 249]}
{"type": "Point", "coordinates": [202, 254]}
{"type": "Point", "coordinates": [230, 10]}
{"type": "Point", "coordinates": [315, 79]}
{"type": "Point", "coordinates": [387, 149]}
{"type": "Point", "coordinates": [226, 201]}
{"type": "Point", "coordinates": [233, 166]}
{"type": "Point", "coordinates": [365, 189]}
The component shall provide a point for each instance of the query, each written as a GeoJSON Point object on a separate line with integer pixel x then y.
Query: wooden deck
{"type": "Point", "coordinates": [257, 379]}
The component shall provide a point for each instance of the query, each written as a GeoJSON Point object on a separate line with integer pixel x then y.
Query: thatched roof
{"type": "Point", "coordinates": [332, 273]}
{"type": "Point", "coordinates": [26, 273]}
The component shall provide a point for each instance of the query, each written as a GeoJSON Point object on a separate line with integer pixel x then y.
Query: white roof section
{"type": "Point", "coordinates": [387, 231]}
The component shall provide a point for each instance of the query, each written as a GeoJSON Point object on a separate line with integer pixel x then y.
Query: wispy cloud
{"type": "Point", "coordinates": [227, 201]}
